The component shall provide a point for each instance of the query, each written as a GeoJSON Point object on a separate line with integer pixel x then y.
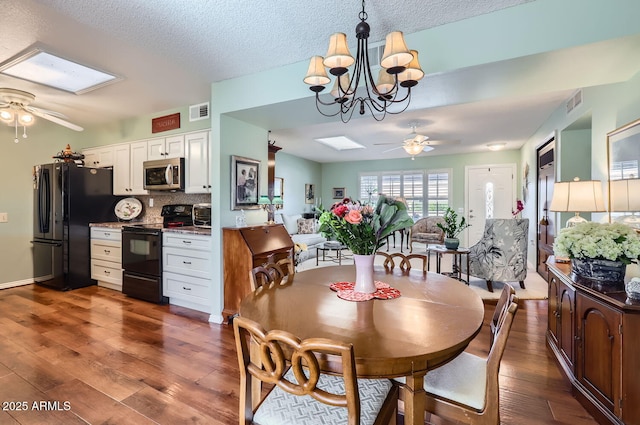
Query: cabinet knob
{"type": "Point", "coordinates": [188, 263]}
{"type": "Point", "coordinates": [209, 186]}
{"type": "Point", "coordinates": [106, 251]}
{"type": "Point", "coordinates": [186, 289]}
{"type": "Point", "coordinates": [204, 186]}
{"type": "Point", "coordinates": [577, 338]}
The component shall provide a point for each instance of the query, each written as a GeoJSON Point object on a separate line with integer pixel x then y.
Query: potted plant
{"type": "Point", "coordinates": [451, 228]}
{"type": "Point", "coordinates": [599, 251]}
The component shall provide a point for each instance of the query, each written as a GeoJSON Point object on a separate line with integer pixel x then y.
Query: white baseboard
{"type": "Point", "coordinates": [13, 284]}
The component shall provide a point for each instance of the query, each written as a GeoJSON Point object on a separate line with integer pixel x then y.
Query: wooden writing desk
{"type": "Point", "coordinates": [432, 322]}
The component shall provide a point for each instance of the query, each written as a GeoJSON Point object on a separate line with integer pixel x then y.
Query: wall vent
{"type": "Point", "coordinates": [199, 112]}
{"type": "Point", "coordinates": [574, 101]}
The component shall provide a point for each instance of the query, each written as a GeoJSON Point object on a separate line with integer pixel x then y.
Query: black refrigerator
{"type": "Point", "coordinates": [66, 199]}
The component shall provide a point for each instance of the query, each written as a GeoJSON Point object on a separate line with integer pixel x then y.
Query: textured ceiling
{"type": "Point", "coordinates": [170, 51]}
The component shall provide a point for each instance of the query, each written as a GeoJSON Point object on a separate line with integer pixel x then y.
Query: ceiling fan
{"type": "Point", "coordinates": [415, 143]}
{"type": "Point", "coordinates": [16, 109]}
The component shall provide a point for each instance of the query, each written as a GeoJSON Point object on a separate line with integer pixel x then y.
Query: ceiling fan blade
{"type": "Point", "coordinates": [442, 142]}
{"type": "Point", "coordinates": [392, 149]}
{"type": "Point", "coordinates": [4, 104]}
{"type": "Point", "coordinates": [56, 120]}
{"type": "Point", "coordinates": [385, 143]}
{"type": "Point", "coordinates": [35, 111]}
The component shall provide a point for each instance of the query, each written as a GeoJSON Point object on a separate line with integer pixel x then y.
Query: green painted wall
{"type": "Point", "coordinates": [297, 172]}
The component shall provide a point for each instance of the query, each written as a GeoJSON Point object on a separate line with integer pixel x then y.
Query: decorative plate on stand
{"type": "Point", "coordinates": [128, 208]}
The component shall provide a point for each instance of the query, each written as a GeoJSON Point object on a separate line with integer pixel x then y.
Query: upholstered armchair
{"type": "Point", "coordinates": [426, 231]}
{"type": "Point", "coordinates": [501, 254]}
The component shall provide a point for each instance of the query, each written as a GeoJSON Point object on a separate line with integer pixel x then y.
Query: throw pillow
{"type": "Point", "coordinates": [306, 226]}
{"type": "Point", "coordinates": [291, 223]}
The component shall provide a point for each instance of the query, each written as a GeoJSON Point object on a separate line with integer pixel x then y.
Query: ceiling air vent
{"type": "Point", "coordinates": [575, 101]}
{"type": "Point", "coordinates": [199, 112]}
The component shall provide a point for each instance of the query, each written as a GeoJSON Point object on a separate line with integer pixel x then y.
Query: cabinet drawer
{"type": "Point", "coordinates": [106, 233]}
{"type": "Point", "coordinates": [188, 288]}
{"type": "Point", "coordinates": [106, 271]}
{"type": "Point", "coordinates": [181, 240]}
{"type": "Point", "coordinates": [187, 261]}
{"type": "Point", "coordinates": [106, 250]}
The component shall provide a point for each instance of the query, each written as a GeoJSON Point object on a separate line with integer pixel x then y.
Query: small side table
{"type": "Point", "coordinates": [456, 271]}
{"type": "Point", "coordinates": [330, 246]}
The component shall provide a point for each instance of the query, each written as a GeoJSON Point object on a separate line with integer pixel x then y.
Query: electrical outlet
{"type": "Point", "coordinates": [4, 217]}
{"type": "Point", "coordinates": [151, 202]}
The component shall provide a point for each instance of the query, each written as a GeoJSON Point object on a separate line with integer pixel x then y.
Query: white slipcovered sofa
{"type": "Point", "coordinates": [302, 231]}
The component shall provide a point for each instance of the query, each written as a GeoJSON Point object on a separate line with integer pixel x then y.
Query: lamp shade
{"type": "Point", "coordinates": [316, 74]}
{"type": "Point", "coordinates": [277, 200]}
{"type": "Point", "coordinates": [396, 54]}
{"type": "Point", "coordinates": [625, 195]}
{"type": "Point", "coordinates": [386, 83]}
{"type": "Point", "coordinates": [264, 200]}
{"type": "Point", "coordinates": [343, 82]}
{"type": "Point", "coordinates": [338, 55]}
{"type": "Point", "coordinates": [413, 72]}
{"type": "Point", "coordinates": [577, 196]}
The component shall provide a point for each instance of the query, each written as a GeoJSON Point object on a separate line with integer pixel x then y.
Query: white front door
{"type": "Point", "coordinates": [490, 190]}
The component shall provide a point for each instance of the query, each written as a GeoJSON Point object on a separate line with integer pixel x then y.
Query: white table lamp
{"type": "Point", "coordinates": [577, 196]}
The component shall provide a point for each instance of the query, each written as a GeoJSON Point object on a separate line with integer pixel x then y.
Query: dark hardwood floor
{"type": "Point", "coordinates": [95, 356]}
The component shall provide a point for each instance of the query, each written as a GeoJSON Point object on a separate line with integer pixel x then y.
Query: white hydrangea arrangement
{"type": "Point", "coordinates": [605, 241]}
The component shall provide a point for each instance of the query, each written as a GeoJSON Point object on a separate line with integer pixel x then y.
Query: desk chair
{"type": "Point", "coordinates": [467, 389]}
{"type": "Point", "coordinates": [301, 393]}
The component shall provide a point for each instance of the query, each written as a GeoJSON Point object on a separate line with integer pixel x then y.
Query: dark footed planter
{"type": "Point", "coordinates": [451, 243]}
{"type": "Point", "coordinates": [600, 270]}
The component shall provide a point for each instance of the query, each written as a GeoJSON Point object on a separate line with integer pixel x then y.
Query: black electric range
{"type": "Point", "coordinates": [142, 253]}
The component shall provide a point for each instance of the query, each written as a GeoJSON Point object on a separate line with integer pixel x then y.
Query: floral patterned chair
{"type": "Point", "coordinates": [426, 231]}
{"type": "Point", "coordinates": [501, 254]}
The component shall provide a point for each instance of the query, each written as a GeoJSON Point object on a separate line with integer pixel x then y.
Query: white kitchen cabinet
{"type": "Point", "coordinates": [128, 175]}
{"type": "Point", "coordinates": [165, 147]}
{"type": "Point", "coordinates": [197, 179]}
{"type": "Point", "coordinates": [100, 157]}
{"type": "Point", "coordinates": [106, 257]}
{"type": "Point", "coordinates": [186, 274]}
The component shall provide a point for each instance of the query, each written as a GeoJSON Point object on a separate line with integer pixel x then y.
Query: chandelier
{"type": "Point", "coordinates": [400, 72]}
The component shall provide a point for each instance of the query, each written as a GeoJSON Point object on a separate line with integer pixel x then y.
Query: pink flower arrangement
{"type": "Point", "coordinates": [361, 227]}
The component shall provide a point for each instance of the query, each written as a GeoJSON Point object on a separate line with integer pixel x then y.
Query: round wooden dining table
{"type": "Point", "coordinates": [432, 322]}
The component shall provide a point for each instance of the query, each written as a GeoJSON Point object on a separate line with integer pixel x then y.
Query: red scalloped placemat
{"type": "Point", "coordinates": [346, 292]}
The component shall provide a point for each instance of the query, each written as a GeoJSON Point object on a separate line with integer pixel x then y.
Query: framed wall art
{"type": "Point", "coordinates": [338, 193]}
{"type": "Point", "coordinates": [278, 187]}
{"type": "Point", "coordinates": [245, 183]}
{"type": "Point", "coordinates": [309, 193]}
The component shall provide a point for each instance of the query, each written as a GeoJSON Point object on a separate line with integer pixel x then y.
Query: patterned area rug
{"type": "Point", "coordinates": [535, 285]}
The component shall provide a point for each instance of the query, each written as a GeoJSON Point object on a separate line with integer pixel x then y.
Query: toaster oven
{"type": "Point", "coordinates": [202, 215]}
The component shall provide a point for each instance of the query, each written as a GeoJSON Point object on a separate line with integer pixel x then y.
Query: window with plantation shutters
{"type": "Point", "coordinates": [426, 192]}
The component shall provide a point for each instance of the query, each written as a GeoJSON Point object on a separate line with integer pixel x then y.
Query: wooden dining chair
{"type": "Point", "coordinates": [270, 274]}
{"type": "Point", "coordinates": [506, 298]}
{"type": "Point", "coordinates": [404, 261]}
{"type": "Point", "coordinates": [300, 392]}
{"type": "Point", "coordinates": [467, 389]}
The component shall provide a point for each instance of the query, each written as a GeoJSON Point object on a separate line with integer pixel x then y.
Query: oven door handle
{"type": "Point", "coordinates": [168, 174]}
{"type": "Point", "coordinates": [133, 232]}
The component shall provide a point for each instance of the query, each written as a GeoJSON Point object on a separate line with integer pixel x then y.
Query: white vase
{"type": "Point", "coordinates": [364, 273]}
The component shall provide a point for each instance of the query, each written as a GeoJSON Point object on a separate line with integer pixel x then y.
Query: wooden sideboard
{"type": "Point", "coordinates": [246, 248]}
{"type": "Point", "coordinates": [594, 333]}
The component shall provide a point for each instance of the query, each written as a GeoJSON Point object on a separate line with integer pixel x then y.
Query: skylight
{"type": "Point", "coordinates": [340, 143]}
{"type": "Point", "coordinates": [53, 71]}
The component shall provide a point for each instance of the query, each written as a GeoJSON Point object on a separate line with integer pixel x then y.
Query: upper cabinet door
{"type": "Point", "coordinates": [165, 147]}
{"type": "Point", "coordinates": [197, 163]}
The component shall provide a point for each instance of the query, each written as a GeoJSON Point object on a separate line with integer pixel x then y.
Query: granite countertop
{"type": "Point", "coordinates": [117, 224]}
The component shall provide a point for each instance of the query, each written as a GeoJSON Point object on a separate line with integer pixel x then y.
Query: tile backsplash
{"type": "Point", "coordinates": [152, 214]}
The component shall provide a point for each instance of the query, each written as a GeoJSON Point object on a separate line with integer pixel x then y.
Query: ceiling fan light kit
{"type": "Point", "coordinates": [16, 110]}
{"type": "Point", "coordinates": [400, 69]}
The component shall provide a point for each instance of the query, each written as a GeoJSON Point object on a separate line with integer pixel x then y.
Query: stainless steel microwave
{"type": "Point", "coordinates": [164, 174]}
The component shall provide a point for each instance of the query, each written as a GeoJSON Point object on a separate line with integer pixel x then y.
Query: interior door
{"type": "Point", "coordinates": [490, 194]}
